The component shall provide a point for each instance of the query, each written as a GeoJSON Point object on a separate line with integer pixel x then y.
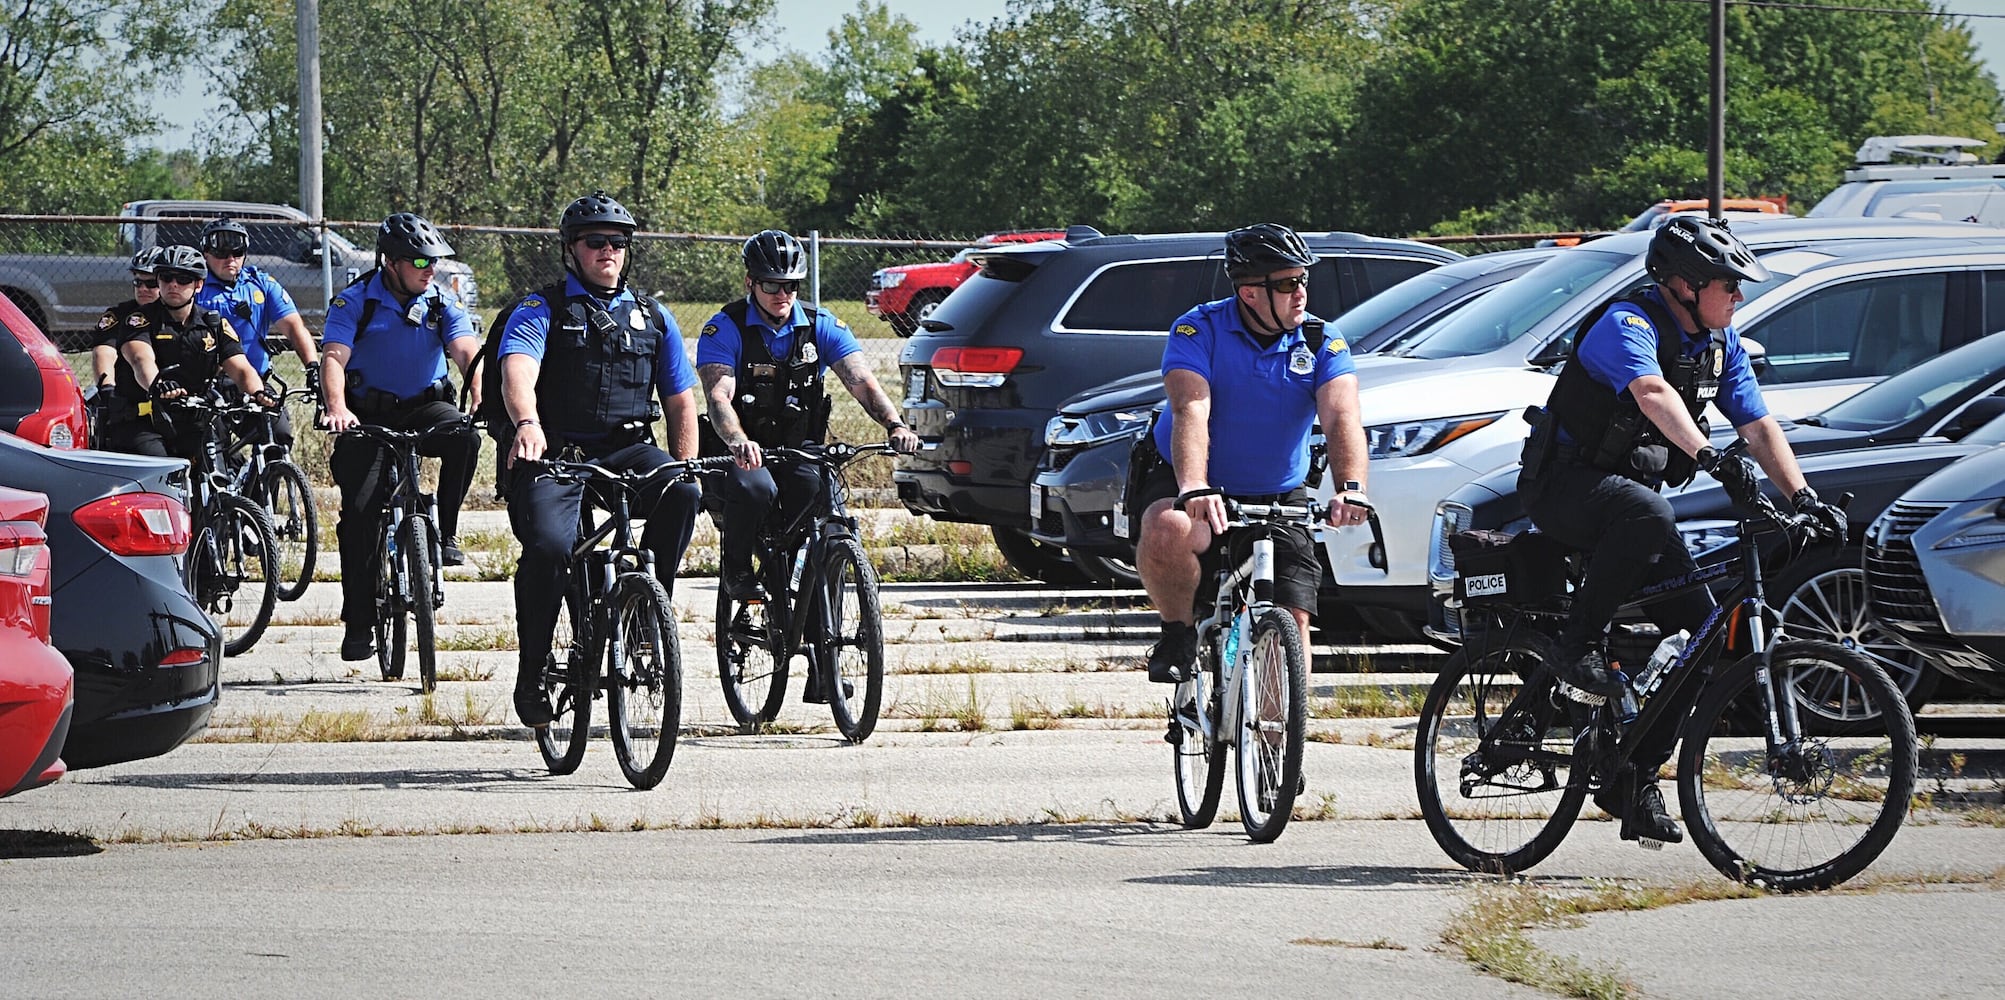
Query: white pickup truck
{"type": "Point", "coordinates": [65, 293]}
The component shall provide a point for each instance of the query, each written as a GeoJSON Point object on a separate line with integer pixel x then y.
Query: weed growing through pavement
{"type": "Point", "coordinates": [1031, 713]}
{"type": "Point", "coordinates": [478, 640]}
{"type": "Point", "coordinates": [1368, 701]}
{"type": "Point", "coordinates": [1375, 944]}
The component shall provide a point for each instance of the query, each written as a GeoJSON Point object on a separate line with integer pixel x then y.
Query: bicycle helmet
{"type": "Point", "coordinates": [1700, 250]}
{"type": "Point", "coordinates": [406, 235]}
{"type": "Point", "coordinates": [775, 256]}
{"type": "Point", "coordinates": [182, 258]}
{"type": "Point", "coordinates": [1259, 250]}
{"type": "Point", "coordinates": [224, 235]}
{"type": "Point", "coordinates": [595, 209]}
{"type": "Point", "coordinates": [144, 261]}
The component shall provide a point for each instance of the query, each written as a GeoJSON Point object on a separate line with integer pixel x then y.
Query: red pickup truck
{"type": "Point", "coordinates": [906, 294]}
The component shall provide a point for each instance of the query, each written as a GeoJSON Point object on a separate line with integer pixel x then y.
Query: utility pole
{"type": "Point", "coordinates": [1717, 146]}
{"type": "Point", "coordinates": [307, 15]}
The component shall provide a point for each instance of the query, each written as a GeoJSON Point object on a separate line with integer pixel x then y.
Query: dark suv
{"type": "Point", "coordinates": [1041, 321]}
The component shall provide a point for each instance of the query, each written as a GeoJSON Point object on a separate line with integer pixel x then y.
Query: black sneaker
{"type": "Point", "coordinates": [449, 553]}
{"type": "Point", "coordinates": [1170, 659]}
{"type": "Point", "coordinates": [533, 707]}
{"type": "Point", "coordinates": [741, 586]}
{"type": "Point", "coordinates": [1588, 671]}
{"type": "Point", "coordinates": [358, 642]}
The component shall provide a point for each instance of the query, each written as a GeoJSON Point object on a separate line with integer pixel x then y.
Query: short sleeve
{"type": "Point", "coordinates": [673, 372]}
{"type": "Point", "coordinates": [526, 328]}
{"type": "Point", "coordinates": [1189, 346]}
{"type": "Point", "coordinates": [343, 313]}
{"type": "Point", "coordinates": [835, 339]}
{"type": "Point", "coordinates": [719, 343]}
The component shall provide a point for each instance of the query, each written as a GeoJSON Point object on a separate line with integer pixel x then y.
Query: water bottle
{"type": "Point", "coordinates": [800, 564]}
{"type": "Point", "coordinates": [1232, 641]}
{"type": "Point", "coordinates": [1666, 653]}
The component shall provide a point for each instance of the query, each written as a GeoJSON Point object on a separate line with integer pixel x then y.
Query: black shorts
{"type": "Point", "coordinates": [1298, 574]}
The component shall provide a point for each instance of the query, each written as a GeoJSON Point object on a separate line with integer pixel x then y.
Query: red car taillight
{"type": "Point", "coordinates": [60, 422]}
{"type": "Point", "coordinates": [975, 367]}
{"type": "Point", "coordinates": [136, 524]}
{"type": "Point", "coordinates": [24, 556]}
{"type": "Point", "coordinates": [184, 656]}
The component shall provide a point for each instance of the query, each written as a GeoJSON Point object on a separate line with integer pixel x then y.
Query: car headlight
{"type": "Point", "coordinates": [1991, 533]}
{"type": "Point", "coordinates": [1093, 428]}
{"type": "Point", "coordinates": [1419, 437]}
{"type": "Point", "coordinates": [890, 279]}
{"type": "Point", "coordinates": [1703, 537]}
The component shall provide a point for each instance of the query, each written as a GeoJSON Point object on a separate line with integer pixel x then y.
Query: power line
{"type": "Point", "coordinates": [1838, 8]}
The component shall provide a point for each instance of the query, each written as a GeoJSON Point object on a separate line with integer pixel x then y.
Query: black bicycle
{"type": "Point", "coordinates": [263, 470]}
{"type": "Point", "coordinates": [408, 572]}
{"type": "Point", "coordinates": [1504, 757]}
{"type": "Point", "coordinates": [616, 630]}
{"type": "Point", "coordinates": [822, 602]}
{"type": "Point", "coordinates": [232, 563]}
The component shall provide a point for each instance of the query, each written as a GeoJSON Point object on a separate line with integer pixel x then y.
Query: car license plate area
{"type": "Point", "coordinates": [915, 385]}
{"type": "Point", "coordinates": [1120, 519]}
{"type": "Point", "coordinates": [1036, 503]}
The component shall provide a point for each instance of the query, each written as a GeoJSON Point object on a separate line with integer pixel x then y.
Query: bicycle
{"type": "Point", "coordinates": [409, 577]}
{"type": "Point", "coordinates": [231, 566]}
{"type": "Point", "coordinates": [265, 472]}
{"type": "Point", "coordinates": [1250, 685]}
{"type": "Point", "coordinates": [615, 615]}
{"type": "Point", "coordinates": [822, 602]}
{"type": "Point", "coordinates": [1504, 756]}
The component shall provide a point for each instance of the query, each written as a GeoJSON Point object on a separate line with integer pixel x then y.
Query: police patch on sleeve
{"type": "Point", "coordinates": [136, 319]}
{"type": "Point", "coordinates": [105, 321]}
{"type": "Point", "coordinates": [230, 331]}
{"type": "Point", "coordinates": [1336, 344]}
{"type": "Point", "coordinates": [339, 302]}
{"type": "Point", "coordinates": [709, 328]}
{"type": "Point", "coordinates": [1186, 329]}
{"type": "Point", "coordinates": [1636, 322]}
{"type": "Point", "coordinates": [531, 302]}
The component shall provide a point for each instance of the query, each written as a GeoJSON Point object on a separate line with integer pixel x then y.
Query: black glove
{"type": "Point", "coordinates": [264, 398]}
{"type": "Point", "coordinates": [1827, 519]}
{"type": "Point", "coordinates": [1736, 474]}
{"type": "Point", "coordinates": [163, 386]}
{"type": "Point", "coordinates": [313, 381]}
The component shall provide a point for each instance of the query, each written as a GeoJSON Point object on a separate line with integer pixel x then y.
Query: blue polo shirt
{"type": "Point", "coordinates": [403, 349]}
{"type": "Point", "coordinates": [526, 329]}
{"type": "Point", "coordinates": [722, 342]}
{"type": "Point", "coordinates": [1263, 400]}
{"type": "Point", "coordinates": [1621, 347]}
{"type": "Point", "coordinates": [254, 304]}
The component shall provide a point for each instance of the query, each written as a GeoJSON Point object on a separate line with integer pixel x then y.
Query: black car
{"type": "Point", "coordinates": [1076, 499]}
{"type": "Point", "coordinates": [1042, 321]}
{"type": "Point", "coordinates": [145, 655]}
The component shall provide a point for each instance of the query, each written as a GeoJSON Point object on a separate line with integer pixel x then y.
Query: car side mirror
{"type": "Point", "coordinates": [1977, 414]}
{"type": "Point", "coordinates": [1757, 356]}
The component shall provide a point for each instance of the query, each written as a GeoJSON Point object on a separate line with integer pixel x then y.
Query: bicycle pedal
{"type": "Point", "coordinates": [1649, 845]}
{"type": "Point", "coordinates": [1579, 696]}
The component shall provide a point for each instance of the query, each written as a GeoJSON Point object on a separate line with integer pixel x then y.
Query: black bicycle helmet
{"type": "Point", "coordinates": [1259, 250]}
{"type": "Point", "coordinates": [406, 235]}
{"type": "Point", "coordinates": [775, 256]}
{"type": "Point", "coordinates": [144, 261]}
{"type": "Point", "coordinates": [1699, 250]}
{"type": "Point", "coordinates": [595, 209]}
{"type": "Point", "coordinates": [224, 235]}
{"type": "Point", "coordinates": [183, 258]}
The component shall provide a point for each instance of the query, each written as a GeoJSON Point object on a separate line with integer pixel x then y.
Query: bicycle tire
{"type": "Point", "coordinates": [1274, 714]}
{"type": "Point", "coordinates": [644, 685]}
{"type": "Point", "coordinates": [753, 674]}
{"type": "Point", "coordinates": [288, 498]}
{"type": "Point", "coordinates": [1198, 763]}
{"type": "Point", "coordinates": [244, 545]}
{"type": "Point", "coordinates": [570, 675]}
{"type": "Point", "coordinates": [1506, 820]}
{"type": "Point", "coordinates": [419, 542]}
{"type": "Point", "coordinates": [391, 626]}
{"type": "Point", "coordinates": [1810, 819]}
{"type": "Point", "coordinates": [852, 659]}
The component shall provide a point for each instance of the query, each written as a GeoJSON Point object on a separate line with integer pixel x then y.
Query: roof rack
{"type": "Point", "coordinates": [1944, 150]}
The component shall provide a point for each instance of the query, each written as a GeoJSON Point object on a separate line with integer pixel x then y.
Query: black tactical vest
{"type": "Point", "coordinates": [197, 347]}
{"type": "Point", "coordinates": [1607, 426]}
{"type": "Point", "coordinates": [598, 368]}
{"type": "Point", "coordinates": [779, 403]}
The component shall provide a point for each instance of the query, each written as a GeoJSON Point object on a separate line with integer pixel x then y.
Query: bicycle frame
{"type": "Point", "coordinates": [803, 540]}
{"type": "Point", "coordinates": [405, 498]}
{"type": "Point", "coordinates": [1252, 578]}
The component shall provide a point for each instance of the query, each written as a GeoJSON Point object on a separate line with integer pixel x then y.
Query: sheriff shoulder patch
{"type": "Point", "coordinates": [136, 319]}
{"type": "Point", "coordinates": [230, 331]}
{"type": "Point", "coordinates": [105, 321]}
{"type": "Point", "coordinates": [1186, 329]}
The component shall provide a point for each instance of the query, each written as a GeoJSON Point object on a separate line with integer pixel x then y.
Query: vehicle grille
{"type": "Point", "coordinates": [1449, 518]}
{"type": "Point", "coordinates": [1894, 582]}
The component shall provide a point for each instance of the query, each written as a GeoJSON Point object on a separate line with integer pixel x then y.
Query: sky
{"type": "Point", "coordinates": [804, 25]}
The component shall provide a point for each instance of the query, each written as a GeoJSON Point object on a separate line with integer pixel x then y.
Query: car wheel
{"type": "Point", "coordinates": [1036, 560]}
{"type": "Point", "coordinates": [923, 305]}
{"type": "Point", "coordinates": [1823, 596]}
{"type": "Point", "coordinates": [1106, 571]}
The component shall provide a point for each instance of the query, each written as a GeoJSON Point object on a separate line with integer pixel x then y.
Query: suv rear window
{"type": "Point", "coordinates": [1146, 296]}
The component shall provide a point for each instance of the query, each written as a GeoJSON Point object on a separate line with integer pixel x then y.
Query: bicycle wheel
{"type": "Point", "coordinates": [570, 672]}
{"type": "Point", "coordinates": [1818, 810]}
{"type": "Point", "coordinates": [644, 690]}
{"type": "Point", "coordinates": [295, 525]}
{"type": "Point", "coordinates": [390, 624]}
{"type": "Point", "coordinates": [1493, 757]}
{"type": "Point", "coordinates": [246, 588]}
{"type": "Point", "coordinates": [419, 540]}
{"type": "Point", "coordinates": [849, 639]}
{"type": "Point", "coordinates": [1273, 712]}
{"type": "Point", "coordinates": [1199, 762]}
{"type": "Point", "coordinates": [754, 676]}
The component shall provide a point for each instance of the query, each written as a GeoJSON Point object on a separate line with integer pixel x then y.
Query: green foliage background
{"type": "Point", "coordinates": [1384, 116]}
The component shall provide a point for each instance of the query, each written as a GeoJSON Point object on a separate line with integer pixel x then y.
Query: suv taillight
{"type": "Point", "coordinates": [975, 367]}
{"type": "Point", "coordinates": [136, 524]}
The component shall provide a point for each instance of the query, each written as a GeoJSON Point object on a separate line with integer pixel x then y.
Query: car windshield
{"type": "Point", "coordinates": [1517, 305]}
{"type": "Point", "coordinates": [1915, 391]}
{"type": "Point", "coordinates": [1361, 325]}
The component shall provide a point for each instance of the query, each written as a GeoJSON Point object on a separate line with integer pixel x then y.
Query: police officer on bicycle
{"type": "Point", "coordinates": [581, 367]}
{"type": "Point", "coordinates": [111, 327]}
{"type": "Point", "coordinates": [384, 353]}
{"type": "Point", "coordinates": [256, 305]}
{"type": "Point", "coordinates": [170, 348]}
{"type": "Point", "coordinates": [765, 390]}
{"type": "Point", "coordinates": [1248, 378]}
{"type": "Point", "coordinates": [1625, 418]}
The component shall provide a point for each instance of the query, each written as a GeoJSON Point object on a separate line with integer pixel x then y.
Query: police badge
{"type": "Point", "coordinates": [1300, 361]}
{"type": "Point", "coordinates": [808, 354]}
{"type": "Point", "coordinates": [637, 319]}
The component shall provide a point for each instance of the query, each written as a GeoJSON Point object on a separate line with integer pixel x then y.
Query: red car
{"type": "Point", "coordinates": [39, 397]}
{"type": "Point", "coordinates": [908, 293]}
{"type": "Point", "coordinates": [37, 690]}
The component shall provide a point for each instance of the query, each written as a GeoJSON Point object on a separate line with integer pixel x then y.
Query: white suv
{"type": "Point", "coordinates": [1919, 177]}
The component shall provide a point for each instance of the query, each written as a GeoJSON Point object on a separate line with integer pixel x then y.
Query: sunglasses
{"type": "Point", "coordinates": [778, 287]}
{"type": "Point", "coordinates": [1731, 286]}
{"type": "Point", "coordinates": [176, 278]}
{"type": "Point", "coordinates": [225, 254]}
{"type": "Point", "coordinates": [422, 263]}
{"type": "Point", "coordinates": [1286, 286]}
{"type": "Point", "coordinates": [600, 241]}
{"type": "Point", "coordinates": [146, 282]}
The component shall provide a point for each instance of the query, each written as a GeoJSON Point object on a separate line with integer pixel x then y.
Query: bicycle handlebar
{"type": "Point", "coordinates": [393, 436]}
{"type": "Point", "coordinates": [833, 453]}
{"type": "Point", "coordinates": [565, 471]}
